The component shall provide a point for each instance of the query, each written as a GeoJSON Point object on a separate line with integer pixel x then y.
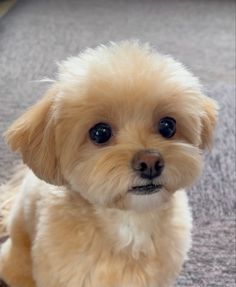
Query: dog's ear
{"type": "Point", "coordinates": [33, 135]}
{"type": "Point", "coordinates": [209, 118]}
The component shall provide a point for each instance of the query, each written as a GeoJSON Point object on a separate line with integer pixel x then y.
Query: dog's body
{"type": "Point", "coordinates": [114, 142]}
{"type": "Point", "coordinates": [73, 244]}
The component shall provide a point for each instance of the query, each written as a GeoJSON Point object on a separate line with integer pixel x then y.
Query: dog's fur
{"type": "Point", "coordinates": [74, 223]}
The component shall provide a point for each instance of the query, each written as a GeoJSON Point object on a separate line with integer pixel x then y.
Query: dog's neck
{"type": "Point", "coordinates": [128, 230]}
{"type": "Point", "coordinates": [132, 231]}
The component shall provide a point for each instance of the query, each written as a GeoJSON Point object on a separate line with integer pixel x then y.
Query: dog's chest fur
{"type": "Point", "coordinates": [129, 232]}
{"type": "Point", "coordinates": [109, 247]}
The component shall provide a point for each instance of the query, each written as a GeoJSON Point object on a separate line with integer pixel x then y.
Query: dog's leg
{"type": "Point", "coordinates": [15, 266]}
{"type": "Point", "coordinates": [15, 257]}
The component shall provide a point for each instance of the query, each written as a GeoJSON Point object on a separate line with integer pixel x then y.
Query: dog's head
{"type": "Point", "coordinates": [124, 126]}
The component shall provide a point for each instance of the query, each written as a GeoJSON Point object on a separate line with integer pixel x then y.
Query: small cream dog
{"type": "Point", "coordinates": [110, 146]}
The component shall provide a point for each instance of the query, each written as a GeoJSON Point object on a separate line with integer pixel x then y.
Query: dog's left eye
{"type": "Point", "coordinates": [100, 133]}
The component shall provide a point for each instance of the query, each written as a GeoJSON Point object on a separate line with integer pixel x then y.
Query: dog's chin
{"type": "Point", "coordinates": [145, 198]}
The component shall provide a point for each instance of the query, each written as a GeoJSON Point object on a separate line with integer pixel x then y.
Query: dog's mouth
{"type": "Point", "coordinates": [146, 189]}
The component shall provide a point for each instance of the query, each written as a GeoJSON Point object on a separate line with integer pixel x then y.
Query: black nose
{"type": "Point", "coordinates": [148, 164]}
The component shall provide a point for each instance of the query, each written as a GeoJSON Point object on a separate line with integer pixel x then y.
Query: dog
{"type": "Point", "coordinates": [110, 149]}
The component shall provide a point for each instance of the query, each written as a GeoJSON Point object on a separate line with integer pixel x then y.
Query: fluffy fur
{"type": "Point", "coordinates": [74, 223]}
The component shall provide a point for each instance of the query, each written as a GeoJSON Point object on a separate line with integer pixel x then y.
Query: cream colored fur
{"type": "Point", "coordinates": [74, 222]}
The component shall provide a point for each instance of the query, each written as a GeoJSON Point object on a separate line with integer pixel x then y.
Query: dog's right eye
{"type": "Point", "coordinates": [167, 127]}
{"type": "Point", "coordinates": [100, 133]}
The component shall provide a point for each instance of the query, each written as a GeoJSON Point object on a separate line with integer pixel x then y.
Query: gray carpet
{"type": "Point", "coordinates": [34, 35]}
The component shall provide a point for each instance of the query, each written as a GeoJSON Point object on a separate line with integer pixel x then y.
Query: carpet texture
{"type": "Point", "coordinates": [34, 35]}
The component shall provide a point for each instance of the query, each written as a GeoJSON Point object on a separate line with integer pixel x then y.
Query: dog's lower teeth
{"type": "Point", "coordinates": [146, 189]}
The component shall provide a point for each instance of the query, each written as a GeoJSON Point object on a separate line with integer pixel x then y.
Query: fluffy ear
{"type": "Point", "coordinates": [33, 135]}
{"type": "Point", "coordinates": [209, 119]}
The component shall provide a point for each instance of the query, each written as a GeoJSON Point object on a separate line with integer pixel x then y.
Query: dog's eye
{"type": "Point", "coordinates": [100, 133]}
{"type": "Point", "coordinates": [167, 127]}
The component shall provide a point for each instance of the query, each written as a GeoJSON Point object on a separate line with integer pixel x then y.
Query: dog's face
{"type": "Point", "coordinates": [123, 126]}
